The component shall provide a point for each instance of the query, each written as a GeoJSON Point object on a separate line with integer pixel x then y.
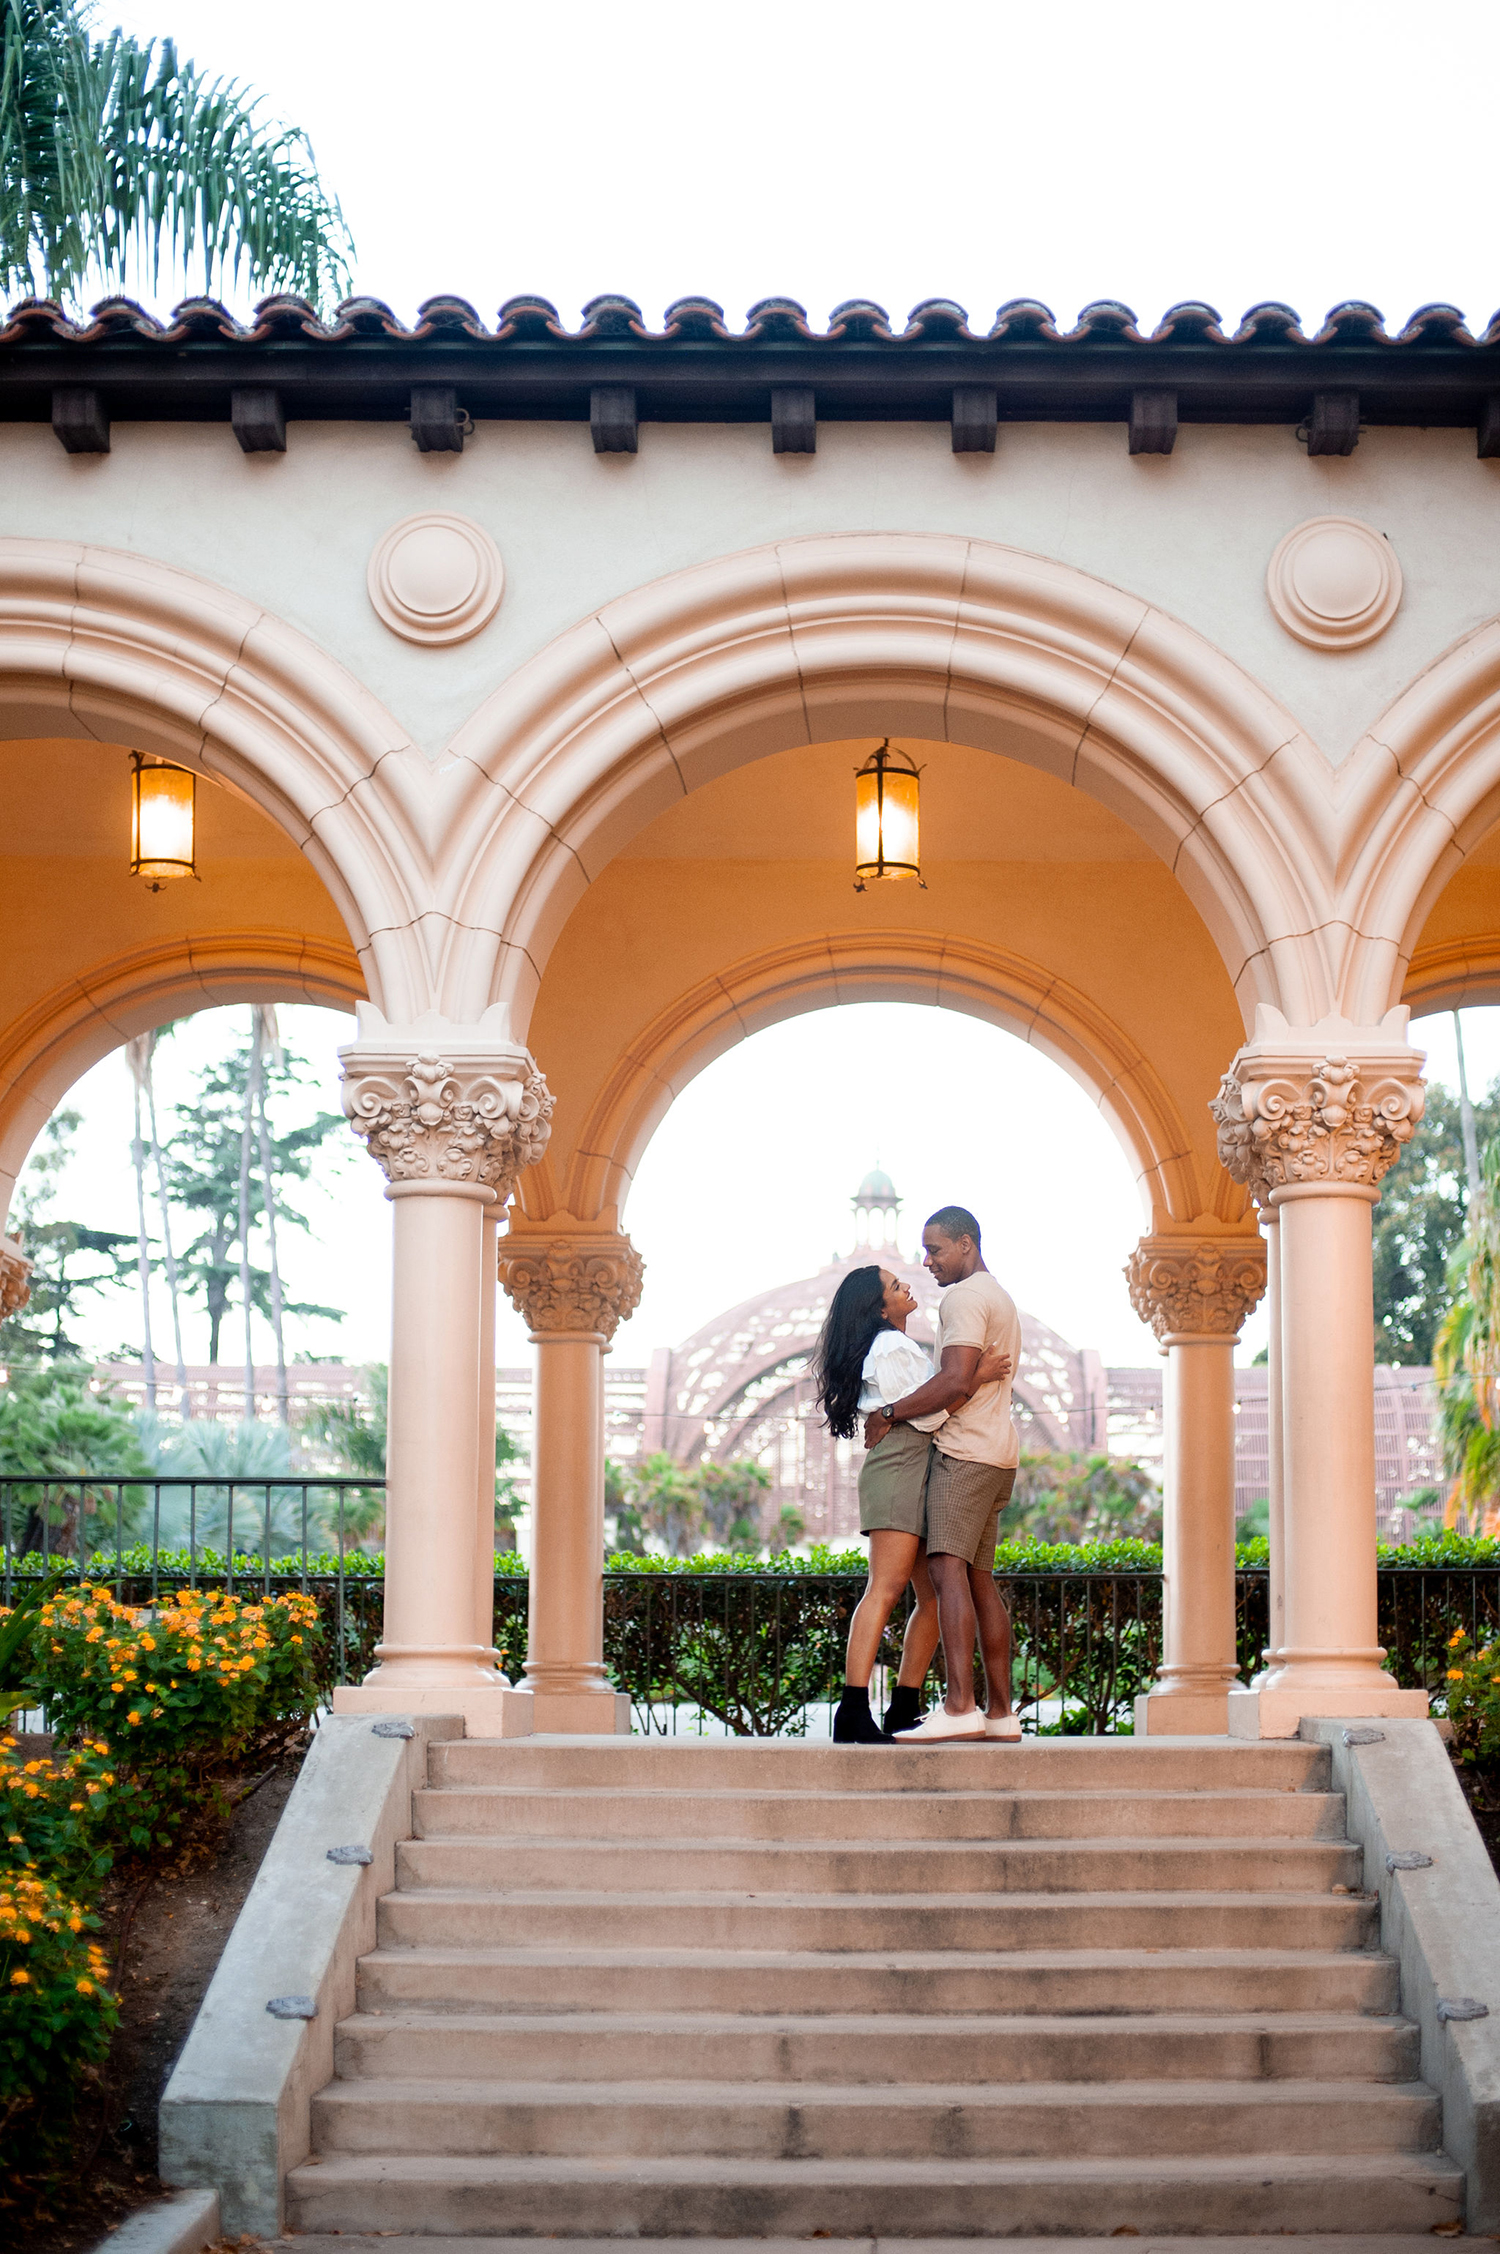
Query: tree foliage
{"type": "Point", "coordinates": [69, 1260]}
{"type": "Point", "coordinates": [1419, 1225]}
{"type": "Point", "coordinates": [1059, 1497]}
{"type": "Point", "coordinates": [203, 1176]}
{"type": "Point", "coordinates": [112, 149]}
{"type": "Point", "coordinates": [689, 1508]}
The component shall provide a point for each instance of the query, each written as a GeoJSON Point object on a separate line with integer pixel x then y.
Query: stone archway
{"type": "Point", "coordinates": [949, 970]}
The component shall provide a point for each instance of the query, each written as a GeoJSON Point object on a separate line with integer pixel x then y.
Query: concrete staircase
{"type": "Point", "coordinates": [691, 1989]}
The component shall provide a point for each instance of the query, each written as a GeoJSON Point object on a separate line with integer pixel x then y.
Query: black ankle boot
{"type": "Point", "coordinates": [904, 1711]}
{"type": "Point", "coordinates": [854, 1724]}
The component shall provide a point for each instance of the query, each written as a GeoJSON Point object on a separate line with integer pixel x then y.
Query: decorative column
{"type": "Point", "coordinates": [575, 1286]}
{"type": "Point", "coordinates": [1311, 1119]}
{"type": "Point", "coordinates": [484, 1556]}
{"type": "Point", "coordinates": [1195, 1292]}
{"type": "Point", "coordinates": [1275, 1451]}
{"type": "Point", "coordinates": [450, 1117]}
{"type": "Point", "coordinates": [15, 1277]}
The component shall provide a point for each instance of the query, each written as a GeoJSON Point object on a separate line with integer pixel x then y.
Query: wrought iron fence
{"type": "Point", "coordinates": [751, 1653]}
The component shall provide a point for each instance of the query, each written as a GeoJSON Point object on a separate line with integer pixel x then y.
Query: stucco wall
{"type": "Point", "coordinates": [1192, 531]}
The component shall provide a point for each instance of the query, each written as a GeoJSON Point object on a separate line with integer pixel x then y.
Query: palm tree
{"type": "Point", "coordinates": [270, 1047]}
{"type": "Point", "coordinates": [137, 1053]}
{"type": "Point", "coordinates": [110, 148]}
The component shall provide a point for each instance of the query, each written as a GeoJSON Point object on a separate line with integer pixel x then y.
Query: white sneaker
{"type": "Point", "coordinates": [1006, 1727]}
{"type": "Point", "coordinates": [940, 1724]}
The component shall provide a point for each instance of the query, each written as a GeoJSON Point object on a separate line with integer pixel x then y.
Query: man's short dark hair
{"type": "Point", "coordinates": [955, 1221]}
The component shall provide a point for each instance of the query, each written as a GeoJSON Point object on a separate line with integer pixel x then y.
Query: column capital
{"type": "Point", "coordinates": [1198, 1287]}
{"type": "Point", "coordinates": [15, 1277]}
{"type": "Point", "coordinates": [436, 1102]}
{"type": "Point", "coordinates": [571, 1279]}
{"type": "Point", "coordinates": [1328, 1104]}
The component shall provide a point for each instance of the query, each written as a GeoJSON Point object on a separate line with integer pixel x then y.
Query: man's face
{"type": "Point", "coordinates": [947, 1258]}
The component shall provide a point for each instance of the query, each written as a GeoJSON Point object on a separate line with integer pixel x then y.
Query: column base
{"type": "Point", "coordinates": [1166, 1713]}
{"type": "Point", "coordinates": [1280, 1713]}
{"type": "Point", "coordinates": [482, 1705]}
{"type": "Point", "coordinates": [578, 1713]}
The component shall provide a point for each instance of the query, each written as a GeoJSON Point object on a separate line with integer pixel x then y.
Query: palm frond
{"type": "Point", "coordinates": [191, 166]}
{"type": "Point", "coordinates": [113, 149]}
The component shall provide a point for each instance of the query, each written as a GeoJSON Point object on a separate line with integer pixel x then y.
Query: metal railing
{"type": "Point", "coordinates": [754, 1653]}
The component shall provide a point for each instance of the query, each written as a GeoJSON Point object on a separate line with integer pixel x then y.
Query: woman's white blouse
{"type": "Point", "coordinates": [895, 1366]}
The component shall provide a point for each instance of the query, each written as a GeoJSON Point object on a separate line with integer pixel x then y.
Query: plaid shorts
{"type": "Point", "coordinates": [964, 1502]}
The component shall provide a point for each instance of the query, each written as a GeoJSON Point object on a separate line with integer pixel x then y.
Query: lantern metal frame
{"type": "Point", "coordinates": [887, 760]}
{"type": "Point", "coordinates": [141, 763]}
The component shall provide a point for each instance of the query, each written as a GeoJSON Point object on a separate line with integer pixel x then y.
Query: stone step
{"type": "Point", "coordinates": [1284, 2242]}
{"type": "Point", "coordinates": [547, 2197]}
{"type": "Point", "coordinates": [901, 2121]}
{"type": "Point", "coordinates": [784, 1766]}
{"type": "Point", "coordinates": [459, 1918]}
{"type": "Point", "coordinates": [888, 1981]}
{"type": "Point", "coordinates": [589, 2046]}
{"type": "Point", "coordinates": [637, 1812]}
{"type": "Point", "coordinates": [938, 1868]}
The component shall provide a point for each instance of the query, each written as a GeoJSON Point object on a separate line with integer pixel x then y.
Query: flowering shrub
{"type": "Point", "coordinates": [183, 1680]}
{"type": "Point", "coordinates": [1473, 1700]}
{"type": "Point", "coordinates": [60, 1812]}
{"type": "Point", "coordinates": [56, 2011]}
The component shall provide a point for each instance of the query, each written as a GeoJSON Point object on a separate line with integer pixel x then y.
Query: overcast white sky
{"type": "Point", "coordinates": [1310, 152]}
{"type": "Point", "coordinates": [1175, 148]}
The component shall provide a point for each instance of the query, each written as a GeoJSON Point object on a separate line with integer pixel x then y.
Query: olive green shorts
{"type": "Point", "coordinates": [964, 1502]}
{"type": "Point", "coordinates": [892, 1481]}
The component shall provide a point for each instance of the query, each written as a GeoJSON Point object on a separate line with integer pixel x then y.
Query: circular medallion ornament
{"type": "Point", "coordinates": [436, 578]}
{"type": "Point", "coordinates": [1334, 583]}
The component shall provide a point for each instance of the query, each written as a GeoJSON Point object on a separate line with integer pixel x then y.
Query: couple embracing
{"type": "Point", "coordinates": [941, 1464]}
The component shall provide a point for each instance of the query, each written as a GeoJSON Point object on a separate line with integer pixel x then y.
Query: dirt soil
{"type": "Point", "coordinates": [165, 1942]}
{"type": "Point", "coordinates": [1483, 1796]}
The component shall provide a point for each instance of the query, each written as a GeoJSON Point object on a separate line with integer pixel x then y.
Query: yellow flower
{"type": "Point", "coordinates": [85, 1987]}
{"type": "Point", "coordinates": [1455, 1674]}
{"type": "Point", "coordinates": [76, 1807]}
{"type": "Point", "coordinates": [1459, 1636]}
{"type": "Point", "coordinates": [20, 1979]}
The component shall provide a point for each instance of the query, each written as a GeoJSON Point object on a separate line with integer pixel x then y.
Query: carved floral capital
{"type": "Point", "coordinates": [15, 1277]}
{"type": "Point", "coordinates": [583, 1282]}
{"type": "Point", "coordinates": [446, 1115]}
{"type": "Point", "coordinates": [1329, 1116]}
{"type": "Point", "coordinates": [1201, 1287]}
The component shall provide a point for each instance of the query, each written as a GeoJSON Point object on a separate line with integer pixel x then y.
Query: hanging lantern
{"type": "Point", "coordinates": [161, 821]}
{"type": "Point", "coordinates": [885, 819]}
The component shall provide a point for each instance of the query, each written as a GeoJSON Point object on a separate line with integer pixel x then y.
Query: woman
{"type": "Point", "coordinates": [865, 1361]}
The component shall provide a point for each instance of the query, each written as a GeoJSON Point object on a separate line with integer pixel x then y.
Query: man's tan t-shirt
{"type": "Point", "coordinates": [977, 1312]}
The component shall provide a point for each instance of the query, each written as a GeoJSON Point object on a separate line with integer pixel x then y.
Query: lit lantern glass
{"type": "Point", "coordinates": [885, 819]}
{"type": "Point", "coordinates": [161, 822]}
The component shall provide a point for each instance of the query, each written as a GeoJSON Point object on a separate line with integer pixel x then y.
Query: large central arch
{"type": "Point", "coordinates": [953, 972]}
{"type": "Point", "coordinates": [848, 636]}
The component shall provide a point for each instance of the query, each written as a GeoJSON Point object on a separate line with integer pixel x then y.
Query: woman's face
{"type": "Point", "coordinates": [896, 1301]}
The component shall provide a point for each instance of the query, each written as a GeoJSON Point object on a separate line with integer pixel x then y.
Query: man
{"type": "Point", "coordinates": [972, 1471]}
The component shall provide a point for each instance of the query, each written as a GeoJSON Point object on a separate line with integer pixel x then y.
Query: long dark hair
{"type": "Point", "coordinates": [855, 1318]}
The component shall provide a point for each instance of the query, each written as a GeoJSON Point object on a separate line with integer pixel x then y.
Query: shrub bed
{"type": "Point", "coordinates": [152, 1706]}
